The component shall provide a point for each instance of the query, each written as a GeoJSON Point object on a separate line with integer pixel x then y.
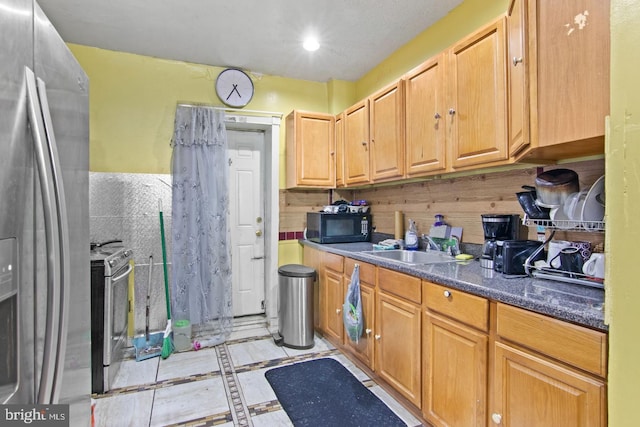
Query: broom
{"type": "Point", "coordinates": [167, 343]}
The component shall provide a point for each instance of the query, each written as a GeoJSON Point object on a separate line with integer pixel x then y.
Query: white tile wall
{"type": "Point", "coordinates": [125, 206]}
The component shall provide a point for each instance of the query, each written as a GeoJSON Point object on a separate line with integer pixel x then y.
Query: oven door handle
{"type": "Point", "coordinates": [126, 273]}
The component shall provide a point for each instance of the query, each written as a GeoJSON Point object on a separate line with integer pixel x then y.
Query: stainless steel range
{"type": "Point", "coordinates": [110, 269]}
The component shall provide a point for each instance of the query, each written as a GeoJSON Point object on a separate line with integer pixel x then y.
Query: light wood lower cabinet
{"type": "Point", "coordinates": [334, 296]}
{"type": "Point", "coordinates": [398, 350]}
{"type": "Point", "coordinates": [541, 372]}
{"type": "Point", "coordinates": [364, 348]}
{"type": "Point", "coordinates": [463, 360]}
{"type": "Point", "coordinates": [455, 379]}
{"type": "Point", "coordinates": [532, 391]}
{"type": "Point", "coordinates": [455, 357]}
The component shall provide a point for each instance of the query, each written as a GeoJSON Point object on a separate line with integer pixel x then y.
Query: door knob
{"type": "Point", "coordinates": [258, 233]}
{"type": "Point", "coordinates": [516, 61]}
{"type": "Point", "coordinates": [259, 219]}
{"type": "Point", "coordinates": [496, 418]}
{"type": "Point", "coordinates": [367, 331]}
{"type": "Point", "coordinates": [447, 294]}
{"type": "Point", "coordinates": [377, 337]}
{"type": "Point", "coordinates": [338, 311]}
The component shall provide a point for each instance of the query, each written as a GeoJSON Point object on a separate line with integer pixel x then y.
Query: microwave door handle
{"type": "Point", "coordinates": [63, 247]}
{"type": "Point", "coordinates": [51, 232]}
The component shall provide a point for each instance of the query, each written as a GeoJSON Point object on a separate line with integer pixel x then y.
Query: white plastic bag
{"type": "Point", "coordinates": [352, 309]}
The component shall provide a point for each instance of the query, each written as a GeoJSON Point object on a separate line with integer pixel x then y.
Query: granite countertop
{"type": "Point", "coordinates": [579, 304]}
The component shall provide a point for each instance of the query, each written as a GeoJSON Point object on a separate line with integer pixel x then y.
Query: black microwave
{"type": "Point", "coordinates": [323, 227]}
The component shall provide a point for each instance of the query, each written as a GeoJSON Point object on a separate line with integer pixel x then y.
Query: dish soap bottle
{"type": "Point", "coordinates": [411, 236]}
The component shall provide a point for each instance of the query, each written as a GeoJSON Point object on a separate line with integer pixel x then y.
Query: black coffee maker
{"type": "Point", "coordinates": [497, 227]}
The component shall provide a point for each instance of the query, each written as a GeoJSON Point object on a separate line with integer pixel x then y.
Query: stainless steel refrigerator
{"type": "Point", "coordinates": [44, 219]}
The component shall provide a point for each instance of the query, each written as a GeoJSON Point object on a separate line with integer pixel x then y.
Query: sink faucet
{"type": "Point", "coordinates": [431, 244]}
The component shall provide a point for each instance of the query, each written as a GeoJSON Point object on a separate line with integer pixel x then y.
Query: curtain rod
{"type": "Point", "coordinates": [232, 110]}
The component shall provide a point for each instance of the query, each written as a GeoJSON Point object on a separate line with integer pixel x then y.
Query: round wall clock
{"type": "Point", "coordinates": [234, 87]}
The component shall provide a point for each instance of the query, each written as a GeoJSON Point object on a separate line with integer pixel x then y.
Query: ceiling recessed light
{"type": "Point", "coordinates": [311, 44]}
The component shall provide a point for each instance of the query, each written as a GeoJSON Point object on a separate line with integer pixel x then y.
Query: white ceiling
{"type": "Point", "coordinates": [261, 36]}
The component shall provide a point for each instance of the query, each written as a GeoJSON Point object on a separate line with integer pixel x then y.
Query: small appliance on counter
{"type": "Point", "coordinates": [339, 227]}
{"type": "Point", "coordinates": [510, 255]}
{"type": "Point", "coordinates": [497, 227]}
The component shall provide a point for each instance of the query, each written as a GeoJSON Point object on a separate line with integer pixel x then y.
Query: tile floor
{"type": "Point", "coordinates": [223, 385]}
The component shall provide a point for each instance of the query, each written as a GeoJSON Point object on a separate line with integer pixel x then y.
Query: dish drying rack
{"type": "Point", "coordinates": [553, 273]}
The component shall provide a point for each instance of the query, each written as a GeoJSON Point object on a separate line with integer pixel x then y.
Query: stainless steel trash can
{"type": "Point", "coordinates": [295, 310]}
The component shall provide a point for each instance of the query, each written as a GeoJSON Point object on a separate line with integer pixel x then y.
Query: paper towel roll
{"type": "Point", "coordinates": [399, 229]}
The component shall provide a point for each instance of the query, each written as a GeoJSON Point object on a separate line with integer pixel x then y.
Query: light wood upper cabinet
{"type": "Point", "coordinates": [356, 144]}
{"type": "Point", "coordinates": [310, 150]}
{"type": "Point", "coordinates": [478, 100]}
{"type": "Point", "coordinates": [339, 150]}
{"type": "Point", "coordinates": [387, 133]}
{"type": "Point", "coordinates": [565, 48]}
{"type": "Point", "coordinates": [518, 77]}
{"type": "Point", "coordinates": [425, 118]}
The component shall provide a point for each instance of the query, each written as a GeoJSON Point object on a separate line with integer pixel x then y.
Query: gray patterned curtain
{"type": "Point", "coordinates": [201, 255]}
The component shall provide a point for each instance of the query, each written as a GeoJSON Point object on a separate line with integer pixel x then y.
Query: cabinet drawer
{"type": "Point", "coordinates": [463, 307]}
{"type": "Point", "coordinates": [578, 346]}
{"type": "Point", "coordinates": [400, 284]}
{"type": "Point", "coordinates": [333, 262]}
{"type": "Point", "coordinates": [367, 271]}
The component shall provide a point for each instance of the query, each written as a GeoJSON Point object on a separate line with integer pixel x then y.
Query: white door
{"type": "Point", "coordinates": [246, 193]}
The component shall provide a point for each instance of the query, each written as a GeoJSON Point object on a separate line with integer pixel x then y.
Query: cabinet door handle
{"type": "Point", "coordinates": [496, 418]}
{"type": "Point", "coordinates": [367, 331]}
{"type": "Point", "coordinates": [447, 294]}
{"type": "Point", "coordinates": [338, 311]}
{"type": "Point", "coordinates": [437, 116]}
{"type": "Point", "coordinates": [451, 111]}
{"type": "Point", "coordinates": [516, 61]}
{"type": "Point", "coordinates": [377, 337]}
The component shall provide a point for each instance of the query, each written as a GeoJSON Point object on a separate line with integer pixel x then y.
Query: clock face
{"type": "Point", "coordinates": [234, 87]}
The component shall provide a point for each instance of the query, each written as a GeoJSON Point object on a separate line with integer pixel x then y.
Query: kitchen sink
{"type": "Point", "coordinates": [412, 257]}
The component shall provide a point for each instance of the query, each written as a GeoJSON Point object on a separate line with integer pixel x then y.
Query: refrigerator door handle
{"type": "Point", "coordinates": [57, 243]}
{"type": "Point", "coordinates": [63, 248]}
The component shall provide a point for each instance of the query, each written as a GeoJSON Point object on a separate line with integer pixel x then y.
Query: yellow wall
{"type": "Point", "coordinates": [463, 20]}
{"type": "Point", "coordinates": [289, 252]}
{"type": "Point", "coordinates": [622, 165]}
{"type": "Point", "coordinates": [133, 100]}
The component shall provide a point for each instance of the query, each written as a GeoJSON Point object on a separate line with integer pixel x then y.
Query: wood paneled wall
{"type": "Point", "coordinates": [461, 200]}
{"type": "Point", "coordinates": [294, 205]}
